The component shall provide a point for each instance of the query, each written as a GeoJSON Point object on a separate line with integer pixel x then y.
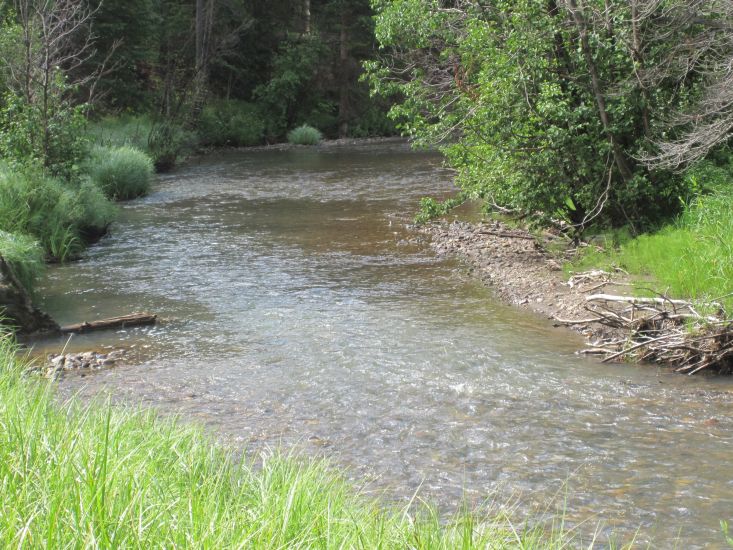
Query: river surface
{"type": "Point", "coordinates": [299, 312]}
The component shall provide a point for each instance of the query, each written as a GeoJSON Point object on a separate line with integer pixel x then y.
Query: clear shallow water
{"type": "Point", "coordinates": [297, 312]}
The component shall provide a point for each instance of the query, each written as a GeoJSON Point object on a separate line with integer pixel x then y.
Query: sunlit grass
{"type": "Point", "coordinates": [105, 477]}
{"type": "Point", "coordinates": [691, 258]}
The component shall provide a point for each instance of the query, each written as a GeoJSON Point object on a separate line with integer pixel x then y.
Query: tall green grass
{"type": "Point", "coordinates": [58, 214]}
{"type": "Point", "coordinates": [120, 172]}
{"type": "Point", "coordinates": [96, 476]}
{"type": "Point", "coordinates": [164, 142]}
{"type": "Point", "coordinates": [233, 123]}
{"type": "Point", "coordinates": [24, 256]}
{"type": "Point", "coordinates": [304, 135]}
{"type": "Point", "coordinates": [690, 258]}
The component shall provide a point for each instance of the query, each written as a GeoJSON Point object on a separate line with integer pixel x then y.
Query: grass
{"type": "Point", "coordinates": [304, 135]}
{"type": "Point", "coordinates": [164, 143]}
{"type": "Point", "coordinates": [59, 215]}
{"type": "Point", "coordinates": [690, 258]}
{"type": "Point", "coordinates": [24, 256]}
{"type": "Point", "coordinates": [131, 131]}
{"type": "Point", "coordinates": [122, 172]}
{"type": "Point", "coordinates": [97, 476]}
{"type": "Point", "coordinates": [231, 123]}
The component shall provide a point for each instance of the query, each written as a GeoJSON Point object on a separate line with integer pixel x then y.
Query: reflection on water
{"type": "Point", "coordinates": [299, 311]}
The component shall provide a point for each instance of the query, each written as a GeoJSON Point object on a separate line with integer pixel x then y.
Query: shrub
{"type": "Point", "coordinates": [164, 142]}
{"type": "Point", "coordinates": [24, 256]}
{"type": "Point", "coordinates": [58, 214]}
{"type": "Point", "coordinates": [234, 123]}
{"type": "Point", "coordinates": [304, 135]}
{"type": "Point", "coordinates": [121, 172]}
{"type": "Point", "coordinates": [167, 142]}
{"type": "Point", "coordinates": [119, 131]}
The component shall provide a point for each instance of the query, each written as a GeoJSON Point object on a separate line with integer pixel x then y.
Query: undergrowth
{"type": "Point", "coordinates": [58, 214]}
{"type": "Point", "coordinates": [304, 135]}
{"type": "Point", "coordinates": [122, 172]}
{"type": "Point", "coordinates": [689, 258]}
{"type": "Point", "coordinates": [164, 142]}
{"type": "Point", "coordinates": [231, 123]}
{"type": "Point", "coordinates": [24, 256]}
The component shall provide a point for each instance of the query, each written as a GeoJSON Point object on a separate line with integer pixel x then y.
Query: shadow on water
{"type": "Point", "coordinates": [299, 311]}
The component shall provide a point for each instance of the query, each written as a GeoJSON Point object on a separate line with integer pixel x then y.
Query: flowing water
{"type": "Point", "coordinates": [299, 312]}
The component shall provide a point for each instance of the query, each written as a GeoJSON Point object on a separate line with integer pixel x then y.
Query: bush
{"type": "Point", "coordinates": [167, 142]}
{"type": "Point", "coordinates": [121, 172]}
{"type": "Point", "coordinates": [304, 135]}
{"type": "Point", "coordinates": [61, 216]}
{"type": "Point", "coordinates": [119, 131]}
{"type": "Point", "coordinates": [24, 256]}
{"type": "Point", "coordinates": [164, 142]}
{"type": "Point", "coordinates": [234, 123]}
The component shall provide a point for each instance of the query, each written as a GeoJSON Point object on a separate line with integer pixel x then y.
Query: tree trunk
{"type": "Point", "coordinates": [306, 16]}
{"type": "Point", "coordinates": [343, 115]}
{"type": "Point", "coordinates": [582, 27]}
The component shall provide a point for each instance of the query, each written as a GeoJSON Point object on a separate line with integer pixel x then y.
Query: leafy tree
{"type": "Point", "coordinates": [541, 105]}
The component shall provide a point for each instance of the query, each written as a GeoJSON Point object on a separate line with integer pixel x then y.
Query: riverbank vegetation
{"type": "Point", "coordinates": [608, 121]}
{"type": "Point", "coordinates": [101, 476]}
{"type": "Point", "coordinates": [691, 257]}
{"type": "Point", "coordinates": [93, 95]}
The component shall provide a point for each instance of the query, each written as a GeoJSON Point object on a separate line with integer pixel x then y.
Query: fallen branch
{"type": "Point", "coordinates": [131, 320]}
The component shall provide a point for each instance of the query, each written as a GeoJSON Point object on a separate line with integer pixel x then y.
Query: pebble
{"type": "Point", "coordinates": [57, 364]}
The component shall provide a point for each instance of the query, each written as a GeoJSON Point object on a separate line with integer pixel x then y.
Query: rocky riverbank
{"type": "Point", "coordinates": [58, 364]}
{"type": "Point", "coordinates": [620, 325]}
{"type": "Point", "coordinates": [517, 265]}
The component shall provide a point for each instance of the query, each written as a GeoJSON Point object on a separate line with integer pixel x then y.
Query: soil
{"type": "Point", "coordinates": [517, 265]}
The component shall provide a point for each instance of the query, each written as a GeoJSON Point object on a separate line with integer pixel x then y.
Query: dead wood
{"type": "Point", "coordinates": [131, 320]}
{"type": "Point", "coordinates": [659, 330]}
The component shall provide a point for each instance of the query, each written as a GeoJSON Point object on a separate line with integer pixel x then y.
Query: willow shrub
{"type": "Point", "coordinates": [304, 135]}
{"type": "Point", "coordinates": [60, 215]}
{"type": "Point", "coordinates": [121, 172]}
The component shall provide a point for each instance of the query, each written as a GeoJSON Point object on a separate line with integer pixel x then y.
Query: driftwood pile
{"type": "Point", "coordinates": [689, 337]}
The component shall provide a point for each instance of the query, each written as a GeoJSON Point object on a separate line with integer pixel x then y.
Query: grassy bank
{"type": "Point", "coordinates": [692, 257]}
{"type": "Point", "coordinates": [101, 476]}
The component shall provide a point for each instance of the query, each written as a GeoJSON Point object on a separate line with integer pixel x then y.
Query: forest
{"type": "Point", "coordinates": [599, 131]}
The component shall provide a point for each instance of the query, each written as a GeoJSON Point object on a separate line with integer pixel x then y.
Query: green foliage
{"type": "Point", "coordinates": [164, 142]}
{"type": "Point", "coordinates": [287, 93]}
{"type": "Point", "coordinates": [304, 135]}
{"type": "Point", "coordinates": [121, 172]}
{"type": "Point", "coordinates": [117, 131]}
{"type": "Point", "coordinates": [59, 215]}
{"type": "Point", "coordinates": [99, 476]}
{"type": "Point", "coordinates": [24, 256]}
{"type": "Point", "coordinates": [691, 258]}
{"type": "Point", "coordinates": [233, 123]}
{"type": "Point", "coordinates": [431, 208]}
{"type": "Point", "coordinates": [167, 142]}
{"type": "Point", "coordinates": [507, 93]}
{"type": "Point", "coordinates": [58, 143]}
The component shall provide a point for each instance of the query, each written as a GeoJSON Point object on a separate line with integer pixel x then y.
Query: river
{"type": "Point", "coordinates": [298, 311]}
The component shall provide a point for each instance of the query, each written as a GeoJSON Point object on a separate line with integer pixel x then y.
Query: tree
{"type": "Point", "coordinates": [43, 46]}
{"type": "Point", "coordinates": [549, 106]}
